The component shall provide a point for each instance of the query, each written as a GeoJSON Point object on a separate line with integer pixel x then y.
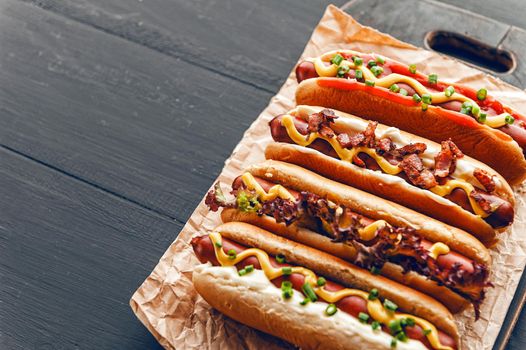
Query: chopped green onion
{"type": "Point", "coordinates": [432, 78]}
{"type": "Point", "coordinates": [450, 90]}
{"type": "Point", "coordinates": [375, 325]}
{"type": "Point", "coordinates": [426, 98]}
{"type": "Point", "coordinates": [242, 272]}
{"type": "Point", "coordinates": [331, 309]}
{"type": "Point", "coordinates": [309, 292]}
{"type": "Point", "coordinates": [376, 70]}
{"type": "Point", "coordinates": [389, 305]}
{"type": "Point", "coordinates": [358, 61]}
{"type": "Point", "coordinates": [412, 68]}
{"type": "Point", "coordinates": [359, 74]}
{"type": "Point", "coordinates": [249, 268]}
{"type": "Point", "coordinates": [371, 64]}
{"type": "Point", "coordinates": [427, 332]}
{"type": "Point", "coordinates": [466, 111]}
{"type": "Point", "coordinates": [393, 343]}
{"type": "Point", "coordinates": [416, 98]}
{"type": "Point", "coordinates": [286, 285]}
{"type": "Point", "coordinates": [475, 110]}
{"type": "Point", "coordinates": [410, 321]}
{"type": "Point", "coordinates": [321, 281]}
{"type": "Point", "coordinates": [395, 326]}
{"type": "Point", "coordinates": [286, 289]}
{"type": "Point", "coordinates": [509, 119]}
{"type": "Point", "coordinates": [404, 92]}
{"type": "Point", "coordinates": [363, 317]}
{"type": "Point", "coordinates": [287, 293]}
{"type": "Point", "coordinates": [337, 59]}
{"type": "Point", "coordinates": [375, 271]}
{"type": "Point", "coordinates": [380, 60]}
{"type": "Point", "coordinates": [232, 255]}
{"type": "Point", "coordinates": [467, 104]}
{"type": "Point", "coordinates": [394, 88]}
{"type": "Point", "coordinates": [482, 117]}
{"type": "Point", "coordinates": [481, 94]}
{"type": "Point", "coordinates": [342, 71]}
{"type": "Point", "coordinates": [402, 336]}
{"type": "Point", "coordinates": [304, 301]}
{"type": "Point", "coordinates": [424, 106]}
{"type": "Point", "coordinates": [218, 244]}
{"type": "Point", "coordinates": [280, 258]}
{"type": "Point", "coordinates": [287, 270]}
{"type": "Point", "coordinates": [369, 83]}
{"type": "Point", "coordinates": [373, 294]}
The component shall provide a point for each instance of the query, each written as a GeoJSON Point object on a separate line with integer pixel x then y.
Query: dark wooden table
{"type": "Point", "coordinates": [115, 117]}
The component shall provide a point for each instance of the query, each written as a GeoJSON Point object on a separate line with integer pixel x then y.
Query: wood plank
{"type": "Point", "coordinates": [72, 256]}
{"type": "Point", "coordinates": [251, 41]}
{"type": "Point", "coordinates": [139, 123]}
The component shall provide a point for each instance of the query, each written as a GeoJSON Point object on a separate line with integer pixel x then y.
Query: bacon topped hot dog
{"type": "Point", "coordinates": [396, 94]}
{"type": "Point", "coordinates": [375, 234]}
{"type": "Point", "coordinates": [437, 180]}
{"type": "Point", "coordinates": [287, 289]}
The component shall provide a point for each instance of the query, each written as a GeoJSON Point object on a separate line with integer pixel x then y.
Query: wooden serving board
{"type": "Point", "coordinates": [414, 21]}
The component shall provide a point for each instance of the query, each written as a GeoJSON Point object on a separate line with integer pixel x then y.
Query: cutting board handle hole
{"type": "Point", "coordinates": [470, 51]}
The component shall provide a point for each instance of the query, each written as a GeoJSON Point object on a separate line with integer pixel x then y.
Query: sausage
{"type": "Point", "coordinates": [305, 70]}
{"type": "Point", "coordinates": [517, 133]}
{"type": "Point", "coordinates": [499, 218]}
{"type": "Point", "coordinates": [351, 305]}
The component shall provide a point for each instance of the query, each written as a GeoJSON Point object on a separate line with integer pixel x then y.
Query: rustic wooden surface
{"type": "Point", "coordinates": [115, 117]}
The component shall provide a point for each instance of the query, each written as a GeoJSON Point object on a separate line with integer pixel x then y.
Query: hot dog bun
{"type": "Point", "coordinates": [390, 186]}
{"type": "Point", "coordinates": [235, 297]}
{"type": "Point", "coordinates": [480, 141]}
{"type": "Point", "coordinates": [453, 301]}
{"type": "Point", "coordinates": [300, 179]}
{"type": "Point", "coordinates": [333, 268]}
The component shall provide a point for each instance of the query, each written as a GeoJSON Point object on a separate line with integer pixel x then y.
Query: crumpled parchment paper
{"type": "Point", "coordinates": [167, 303]}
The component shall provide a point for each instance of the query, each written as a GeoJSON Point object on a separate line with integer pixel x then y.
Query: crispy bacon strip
{"type": "Point", "coordinates": [417, 174]}
{"type": "Point", "coordinates": [446, 159]}
{"type": "Point", "coordinates": [485, 179]}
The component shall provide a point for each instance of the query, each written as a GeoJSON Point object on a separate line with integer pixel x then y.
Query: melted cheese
{"type": "Point", "coordinates": [374, 307]}
{"type": "Point", "coordinates": [348, 155]}
{"type": "Point", "coordinates": [438, 249]}
{"type": "Point", "coordinates": [394, 78]}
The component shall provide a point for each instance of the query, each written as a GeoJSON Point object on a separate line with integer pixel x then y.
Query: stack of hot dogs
{"type": "Point", "coordinates": [354, 234]}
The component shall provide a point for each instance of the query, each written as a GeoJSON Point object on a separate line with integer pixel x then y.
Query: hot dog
{"type": "Point", "coordinates": [396, 94]}
{"type": "Point", "coordinates": [437, 180]}
{"type": "Point", "coordinates": [310, 298]}
{"type": "Point", "coordinates": [373, 233]}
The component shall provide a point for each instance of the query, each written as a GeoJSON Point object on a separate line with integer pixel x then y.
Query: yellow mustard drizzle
{"type": "Point", "coordinates": [348, 155]}
{"type": "Point", "coordinates": [394, 78]}
{"type": "Point", "coordinates": [438, 249]}
{"type": "Point", "coordinates": [448, 187]}
{"type": "Point", "coordinates": [374, 307]}
{"type": "Point", "coordinates": [366, 233]}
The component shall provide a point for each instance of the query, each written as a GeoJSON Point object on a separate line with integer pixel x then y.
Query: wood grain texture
{"type": "Point", "coordinates": [71, 256]}
{"type": "Point", "coordinates": [121, 116]}
{"type": "Point", "coordinates": [256, 42]}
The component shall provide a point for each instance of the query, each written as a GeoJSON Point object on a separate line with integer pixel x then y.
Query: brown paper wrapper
{"type": "Point", "coordinates": [167, 303]}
